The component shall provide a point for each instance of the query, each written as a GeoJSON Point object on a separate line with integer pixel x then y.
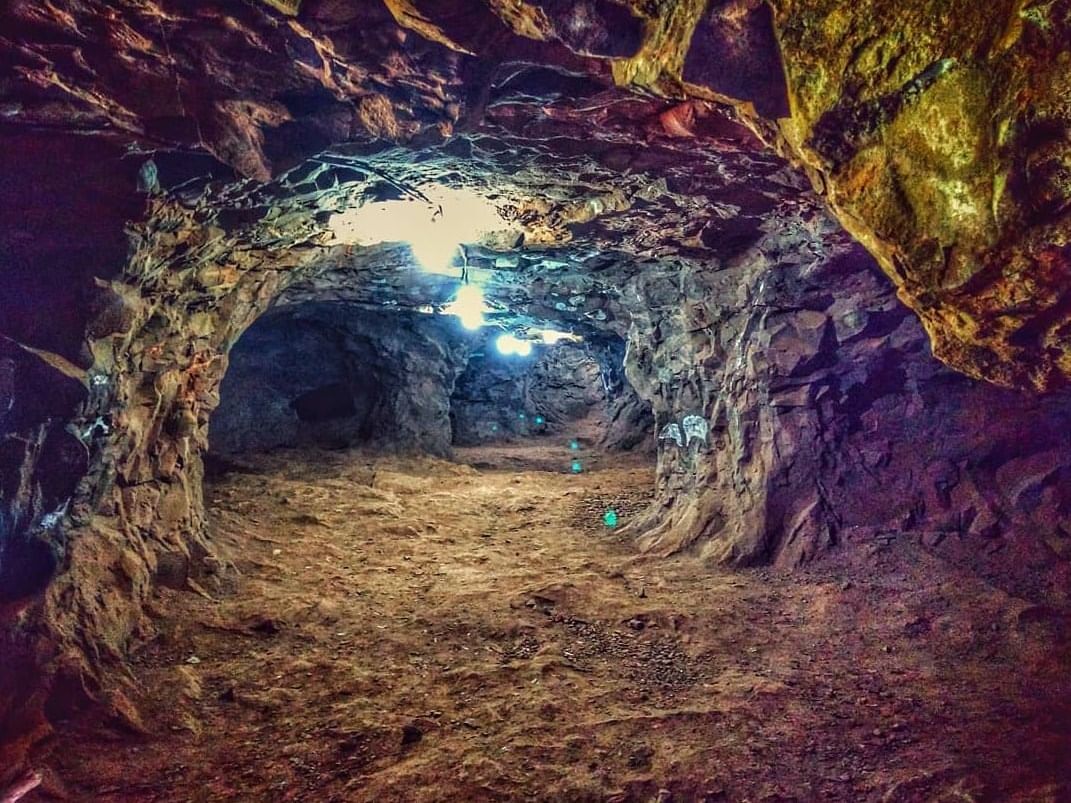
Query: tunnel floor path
{"type": "Point", "coordinates": [411, 629]}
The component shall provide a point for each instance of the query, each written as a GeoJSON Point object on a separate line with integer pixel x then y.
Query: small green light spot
{"type": "Point", "coordinates": [540, 419]}
{"type": "Point", "coordinates": [522, 416]}
{"type": "Point", "coordinates": [574, 445]}
{"type": "Point", "coordinates": [609, 518]}
{"type": "Point", "coordinates": [494, 427]}
{"type": "Point", "coordinates": [577, 468]}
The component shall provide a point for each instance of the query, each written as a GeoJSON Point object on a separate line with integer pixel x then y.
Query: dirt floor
{"type": "Point", "coordinates": [409, 629]}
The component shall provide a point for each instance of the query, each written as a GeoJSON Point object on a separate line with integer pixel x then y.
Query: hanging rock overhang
{"type": "Point", "coordinates": [944, 149]}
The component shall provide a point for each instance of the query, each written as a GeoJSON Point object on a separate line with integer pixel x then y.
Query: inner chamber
{"type": "Point", "coordinates": [333, 375]}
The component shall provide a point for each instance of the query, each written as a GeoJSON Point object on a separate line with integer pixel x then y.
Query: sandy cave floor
{"type": "Point", "coordinates": [410, 629]}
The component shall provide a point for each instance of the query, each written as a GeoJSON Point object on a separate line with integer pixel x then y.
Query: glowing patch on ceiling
{"type": "Point", "coordinates": [552, 336]}
{"type": "Point", "coordinates": [508, 344]}
{"type": "Point", "coordinates": [469, 306]}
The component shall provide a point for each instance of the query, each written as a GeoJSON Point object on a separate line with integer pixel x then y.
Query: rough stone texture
{"type": "Point", "coordinates": [490, 398]}
{"type": "Point", "coordinates": [939, 133]}
{"type": "Point", "coordinates": [338, 375]}
{"type": "Point", "coordinates": [500, 397]}
{"type": "Point", "coordinates": [334, 374]}
{"type": "Point", "coordinates": [47, 232]}
{"type": "Point", "coordinates": [945, 149]}
{"type": "Point", "coordinates": [168, 174]}
{"type": "Point", "coordinates": [565, 384]}
{"type": "Point", "coordinates": [829, 423]}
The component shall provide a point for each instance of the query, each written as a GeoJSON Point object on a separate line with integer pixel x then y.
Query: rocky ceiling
{"type": "Point", "coordinates": [587, 210]}
{"type": "Point", "coordinates": [942, 146]}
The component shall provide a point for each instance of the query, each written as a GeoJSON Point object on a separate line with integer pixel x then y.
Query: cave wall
{"type": "Point", "coordinates": [799, 408]}
{"type": "Point", "coordinates": [565, 385]}
{"type": "Point", "coordinates": [337, 374]}
{"type": "Point", "coordinates": [323, 374]}
{"type": "Point", "coordinates": [333, 374]}
{"type": "Point", "coordinates": [576, 389]}
{"type": "Point", "coordinates": [105, 421]}
{"type": "Point", "coordinates": [490, 398]}
{"type": "Point", "coordinates": [630, 423]}
{"type": "Point", "coordinates": [54, 244]}
{"type": "Point", "coordinates": [938, 133]}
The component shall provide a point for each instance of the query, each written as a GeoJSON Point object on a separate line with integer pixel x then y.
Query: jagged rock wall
{"type": "Point", "coordinates": [340, 375]}
{"type": "Point", "coordinates": [552, 391]}
{"type": "Point", "coordinates": [336, 374]}
{"type": "Point", "coordinates": [490, 401]}
{"type": "Point", "coordinates": [629, 419]}
{"type": "Point", "coordinates": [53, 241]}
{"type": "Point", "coordinates": [939, 134]}
{"type": "Point", "coordinates": [799, 408]}
{"type": "Point", "coordinates": [565, 384]}
{"type": "Point", "coordinates": [104, 431]}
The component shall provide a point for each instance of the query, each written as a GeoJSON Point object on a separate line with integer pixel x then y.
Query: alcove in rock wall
{"type": "Point", "coordinates": [338, 375]}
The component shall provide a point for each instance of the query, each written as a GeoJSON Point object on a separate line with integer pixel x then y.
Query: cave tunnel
{"type": "Point", "coordinates": [336, 375]}
{"type": "Point", "coordinates": [476, 401]}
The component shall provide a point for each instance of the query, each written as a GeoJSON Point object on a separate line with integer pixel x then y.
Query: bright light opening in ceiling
{"type": "Point", "coordinates": [469, 306]}
{"type": "Point", "coordinates": [508, 344]}
{"type": "Point", "coordinates": [434, 236]}
{"type": "Point", "coordinates": [552, 336]}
